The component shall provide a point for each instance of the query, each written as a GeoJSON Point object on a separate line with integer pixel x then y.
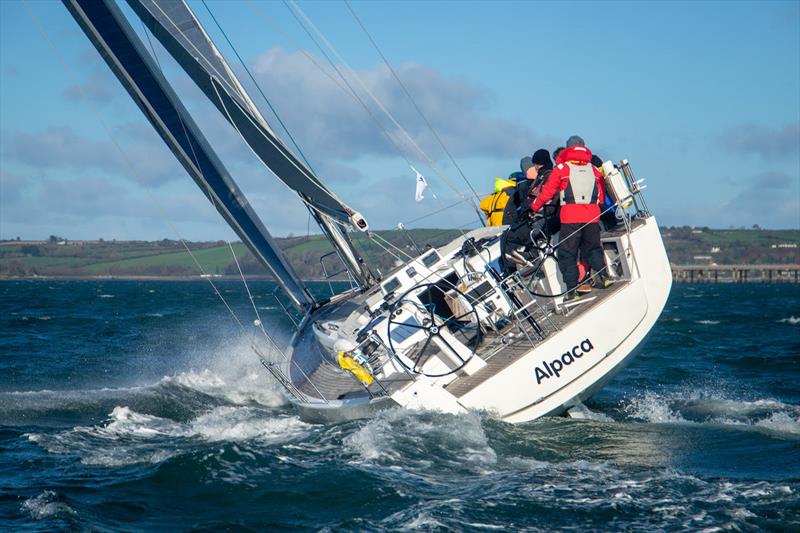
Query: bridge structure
{"type": "Point", "coordinates": [737, 273]}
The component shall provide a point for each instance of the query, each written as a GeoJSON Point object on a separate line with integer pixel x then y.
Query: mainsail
{"type": "Point", "coordinates": [175, 26]}
{"type": "Point", "coordinates": [109, 31]}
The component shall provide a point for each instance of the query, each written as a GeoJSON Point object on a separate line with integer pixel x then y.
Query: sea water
{"type": "Point", "coordinates": [139, 406]}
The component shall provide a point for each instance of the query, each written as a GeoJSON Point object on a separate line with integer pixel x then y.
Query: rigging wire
{"type": "Point", "coordinates": [347, 88]}
{"type": "Point", "coordinates": [350, 90]}
{"type": "Point", "coordinates": [343, 85]}
{"type": "Point", "coordinates": [411, 98]}
{"type": "Point", "coordinates": [274, 142]}
{"type": "Point", "coordinates": [210, 194]}
{"type": "Point", "coordinates": [299, 13]}
{"type": "Point", "coordinates": [258, 87]}
{"type": "Point", "coordinates": [261, 325]}
{"type": "Point", "coordinates": [222, 80]}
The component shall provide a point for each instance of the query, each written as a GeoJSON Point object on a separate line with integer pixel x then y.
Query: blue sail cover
{"type": "Point", "coordinates": [109, 31]}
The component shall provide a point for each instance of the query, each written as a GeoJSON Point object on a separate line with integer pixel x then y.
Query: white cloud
{"type": "Point", "coordinates": [772, 199]}
{"type": "Point", "coordinates": [780, 142]}
{"type": "Point", "coordinates": [329, 123]}
{"type": "Point", "coordinates": [62, 149]}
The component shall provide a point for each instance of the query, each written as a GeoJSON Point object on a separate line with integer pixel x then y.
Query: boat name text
{"type": "Point", "coordinates": [554, 368]}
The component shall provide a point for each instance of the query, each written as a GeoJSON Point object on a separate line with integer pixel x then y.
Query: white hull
{"type": "Point", "coordinates": [563, 369]}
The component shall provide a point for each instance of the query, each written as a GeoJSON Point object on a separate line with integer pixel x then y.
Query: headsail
{"type": "Point", "coordinates": [179, 31]}
{"type": "Point", "coordinates": [109, 31]}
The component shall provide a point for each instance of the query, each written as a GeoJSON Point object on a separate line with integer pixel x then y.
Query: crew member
{"type": "Point", "coordinates": [494, 204]}
{"type": "Point", "coordinates": [535, 169]}
{"type": "Point", "coordinates": [582, 192]}
{"type": "Point", "coordinates": [517, 238]}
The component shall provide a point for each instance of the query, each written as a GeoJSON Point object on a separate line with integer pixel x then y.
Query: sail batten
{"type": "Point", "coordinates": [123, 51]}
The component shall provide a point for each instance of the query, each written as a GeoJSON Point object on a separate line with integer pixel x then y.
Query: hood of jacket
{"type": "Point", "coordinates": [500, 184]}
{"type": "Point", "coordinates": [578, 154]}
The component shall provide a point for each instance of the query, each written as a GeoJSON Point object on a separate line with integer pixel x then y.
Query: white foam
{"type": "Point", "coordinates": [106, 296]}
{"type": "Point", "coordinates": [423, 521]}
{"type": "Point", "coordinates": [240, 386]}
{"type": "Point", "coordinates": [712, 405]}
{"type": "Point", "coordinates": [652, 408]}
{"type": "Point", "coordinates": [243, 423]}
{"type": "Point", "coordinates": [707, 408]}
{"type": "Point", "coordinates": [126, 422]}
{"type": "Point", "coordinates": [129, 437]}
{"type": "Point", "coordinates": [781, 422]}
{"type": "Point", "coordinates": [45, 505]}
{"type": "Point", "coordinates": [708, 322]}
{"type": "Point", "coordinates": [793, 320]}
{"type": "Point", "coordinates": [400, 435]}
{"type": "Point", "coordinates": [232, 372]}
{"type": "Point", "coordinates": [581, 412]}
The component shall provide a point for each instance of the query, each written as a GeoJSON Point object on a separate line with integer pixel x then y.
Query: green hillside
{"type": "Point", "coordinates": [64, 258]}
{"type": "Point", "coordinates": [60, 258]}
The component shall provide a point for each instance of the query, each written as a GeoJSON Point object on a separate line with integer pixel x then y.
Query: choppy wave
{"type": "Point", "coordinates": [45, 506]}
{"type": "Point", "coordinates": [232, 377]}
{"type": "Point", "coordinates": [129, 437]}
{"type": "Point", "coordinates": [207, 441]}
{"type": "Point", "coordinates": [458, 441]}
{"type": "Point", "coordinates": [592, 496]}
{"type": "Point", "coordinates": [704, 408]}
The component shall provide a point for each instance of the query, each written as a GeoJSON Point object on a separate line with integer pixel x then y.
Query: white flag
{"type": "Point", "coordinates": [422, 184]}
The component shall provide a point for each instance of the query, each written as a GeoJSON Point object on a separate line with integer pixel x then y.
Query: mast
{"type": "Point", "coordinates": [174, 24]}
{"type": "Point", "coordinates": [126, 55]}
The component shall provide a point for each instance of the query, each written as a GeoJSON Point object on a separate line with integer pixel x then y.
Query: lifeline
{"type": "Point", "coordinates": [566, 359]}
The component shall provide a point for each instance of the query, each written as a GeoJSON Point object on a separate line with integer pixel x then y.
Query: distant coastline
{"type": "Point", "coordinates": [167, 260]}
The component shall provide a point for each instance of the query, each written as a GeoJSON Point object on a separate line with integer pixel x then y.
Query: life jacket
{"type": "Point", "coordinates": [494, 204]}
{"type": "Point", "coordinates": [582, 186]}
{"type": "Point", "coordinates": [498, 205]}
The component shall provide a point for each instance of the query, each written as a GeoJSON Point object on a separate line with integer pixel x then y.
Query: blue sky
{"type": "Point", "coordinates": [702, 98]}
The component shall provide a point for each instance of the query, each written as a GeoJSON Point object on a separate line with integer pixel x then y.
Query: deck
{"type": "Point", "coordinates": [322, 377]}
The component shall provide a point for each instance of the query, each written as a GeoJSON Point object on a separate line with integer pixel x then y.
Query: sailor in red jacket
{"type": "Point", "coordinates": [582, 192]}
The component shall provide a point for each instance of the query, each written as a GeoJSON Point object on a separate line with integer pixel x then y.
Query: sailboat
{"type": "Point", "coordinates": [448, 329]}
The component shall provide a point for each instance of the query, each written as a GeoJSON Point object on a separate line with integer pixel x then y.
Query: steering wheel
{"type": "Point", "coordinates": [424, 318]}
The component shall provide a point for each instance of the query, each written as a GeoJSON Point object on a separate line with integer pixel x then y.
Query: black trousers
{"type": "Point", "coordinates": [519, 235]}
{"type": "Point", "coordinates": [586, 239]}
